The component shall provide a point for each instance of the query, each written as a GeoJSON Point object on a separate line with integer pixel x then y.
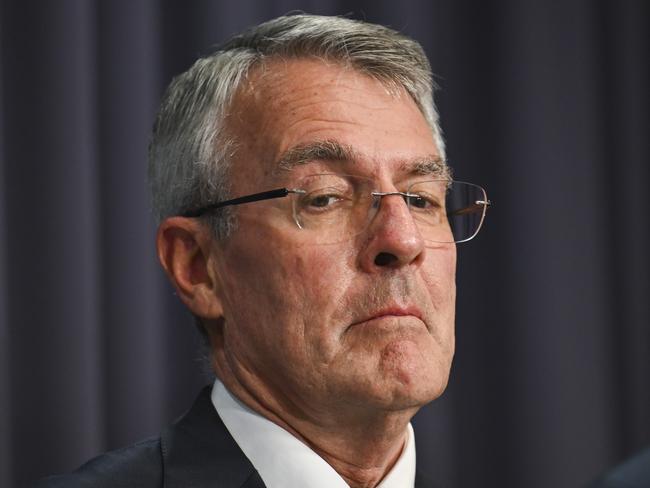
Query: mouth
{"type": "Point", "coordinates": [391, 313]}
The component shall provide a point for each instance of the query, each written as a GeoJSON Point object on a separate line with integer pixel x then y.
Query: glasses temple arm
{"type": "Point", "coordinates": [255, 197]}
{"type": "Point", "coordinates": [476, 207]}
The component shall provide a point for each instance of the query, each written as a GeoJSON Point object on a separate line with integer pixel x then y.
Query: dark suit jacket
{"type": "Point", "coordinates": [197, 451]}
{"type": "Point", "coordinates": [632, 473]}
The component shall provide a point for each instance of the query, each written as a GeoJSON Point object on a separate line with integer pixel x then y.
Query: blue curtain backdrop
{"type": "Point", "coordinates": [543, 103]}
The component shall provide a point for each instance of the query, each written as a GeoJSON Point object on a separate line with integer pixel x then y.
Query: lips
{"type": "Point", "coordinates": [393, 311]}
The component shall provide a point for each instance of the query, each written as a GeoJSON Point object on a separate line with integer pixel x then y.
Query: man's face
{"type": "Point", "coordinates": [324, 327]}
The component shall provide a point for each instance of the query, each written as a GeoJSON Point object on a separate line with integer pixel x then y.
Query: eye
{"type": "Point", "coordinates": [423, 201]}
{"type": "Point", "coordinates": [417, 202]}
{"type": "Point", "coordinates": [325, 200]}
{"type": "Point", "coordinates": [322, 201]}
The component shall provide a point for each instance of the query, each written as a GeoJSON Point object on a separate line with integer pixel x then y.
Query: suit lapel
{"type": "Point", "coordinates": [254, 481]}
{"type": "Point", "coordinates": [422, 481]}
{"type": "Point", "coordinates": [199, 452]}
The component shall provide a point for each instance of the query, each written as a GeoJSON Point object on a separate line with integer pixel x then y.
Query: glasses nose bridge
{"type": "Point", "coordinates": [378, 196]}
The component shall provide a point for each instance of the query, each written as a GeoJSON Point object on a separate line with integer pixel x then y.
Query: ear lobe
{"type": "Point", "coordinates": [184, 247]}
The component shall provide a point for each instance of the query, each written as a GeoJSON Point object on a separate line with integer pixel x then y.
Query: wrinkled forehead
{"type": "Point", "coordinates": [269, 76]}
{"type": "Point", "coordinates": [288, 112]}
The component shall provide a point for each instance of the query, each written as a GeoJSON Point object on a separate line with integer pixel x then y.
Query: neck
{"type": "Point", "coordinates": [360, 443]}
{"type": "Point", "coordinates": [365, 460]}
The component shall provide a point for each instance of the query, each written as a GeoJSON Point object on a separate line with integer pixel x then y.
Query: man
{"type": "Point", "coordinates": [308, 221]}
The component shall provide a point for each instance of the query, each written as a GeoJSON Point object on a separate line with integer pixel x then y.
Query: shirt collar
{"type": "Point", "coordinates": [283, 460]}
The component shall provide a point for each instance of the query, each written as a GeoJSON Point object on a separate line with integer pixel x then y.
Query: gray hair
{"type": "Point", "coordinates": [190, 150]}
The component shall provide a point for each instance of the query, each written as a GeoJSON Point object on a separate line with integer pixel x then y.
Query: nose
{"type": "Point", "coordinates": [392, 239]}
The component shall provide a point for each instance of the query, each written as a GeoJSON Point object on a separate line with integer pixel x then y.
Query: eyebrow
{"type": "Point", "coordinates": [330, 150]}
{"type": "Point", "coordinates": [318, 150]}
{"type": "Point", "coordinates": [428, 166]}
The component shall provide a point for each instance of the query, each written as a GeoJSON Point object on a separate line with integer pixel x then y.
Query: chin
{"type": "Point", "coordinates": [415, 394]}
{"type": "Point", "coordinates": [410, 378]}
{"type": "Point", "coordinates": [395, 373]}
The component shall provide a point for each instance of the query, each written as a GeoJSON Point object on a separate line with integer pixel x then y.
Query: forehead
{"type": "Point", "coordinates": [288, 104]}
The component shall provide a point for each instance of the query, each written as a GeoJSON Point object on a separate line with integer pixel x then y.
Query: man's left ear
{"type": "Point", "coordinates": [184, 246]}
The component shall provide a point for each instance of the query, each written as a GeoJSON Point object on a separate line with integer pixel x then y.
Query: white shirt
{"type": "Point", "coordinates": [283, 460]}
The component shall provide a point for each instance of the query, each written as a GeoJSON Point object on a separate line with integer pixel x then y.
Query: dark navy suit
{"type": "Point", "coordinates": [632, 473]}
{"type": "Point", "coordinates": [197, 451]}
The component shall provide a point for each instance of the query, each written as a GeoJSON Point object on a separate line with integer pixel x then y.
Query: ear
{"type": "Point", "coordinates": [184, 249]}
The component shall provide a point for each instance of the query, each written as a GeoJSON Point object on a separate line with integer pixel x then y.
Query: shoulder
{"type": "Point", "coordinates": [632, 473]}
{"type": "Point", "coordinates": [197, 450]}
{"type": "Point", "coordinates": [136, 465]}
{"type": "Point", "coordinates": [422, 480]}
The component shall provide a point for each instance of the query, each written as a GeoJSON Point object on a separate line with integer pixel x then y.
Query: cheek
{"type": "Point", "coordinates": [440, 280]}
{"type": "Point", "coordinates": [321, 278]}
{"type": "Point", "coordinates": [285, 297]}
{"type": "Point", "coordinates": [440, 276]}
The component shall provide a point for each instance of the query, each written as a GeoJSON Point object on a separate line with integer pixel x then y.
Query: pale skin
{"type": "Point", "coordinates": [335, 345]}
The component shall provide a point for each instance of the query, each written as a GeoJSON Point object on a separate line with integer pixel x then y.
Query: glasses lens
{"type": "Point", "coordinates": [336, 208]}
{"type": "Point", "coordinates": [447, 211]}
